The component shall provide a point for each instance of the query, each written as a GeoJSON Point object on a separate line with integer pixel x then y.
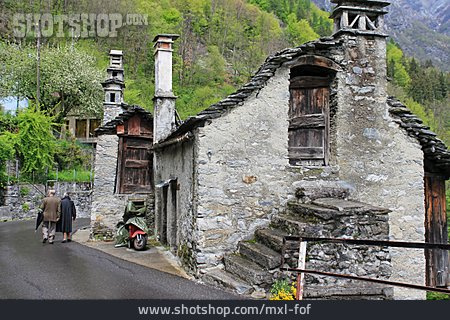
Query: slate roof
{"type": "Point", "coordinates": [436, 153]}
{"type": "Point", "coordinates": [257, 82]}
{"type": "Point", "coordinates": [130, 111]}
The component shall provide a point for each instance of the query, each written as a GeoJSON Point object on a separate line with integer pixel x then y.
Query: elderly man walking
{"type": "Point", "coordinates": [51, 206]}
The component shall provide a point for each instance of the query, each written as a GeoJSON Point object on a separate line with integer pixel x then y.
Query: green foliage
{"type": "Point", "coordinates": [423, 88]}
{"type": "Point", "coordinates": [317, 19]}
{"type": "Point", "coordinates": [69, 78]}
{"type": "Point", "coordinates": [7, 152]}
{"type": "Point", "coordinates": [73, 175]}
{"type": "Point", "coordinates": [437, 296]}
{"type": "Point", "coordinates": [299, 31]}
{"type": "Point", "coordinates": [8, 122]}
{"type": "Point", "coordinates": [70, 154]}
{"type": "Point", "coordinates": [282, 290]}
{"type": "Point", "coordinates": [36, 143]}
{"type": "Point", "coordinates": [24, 191]}
{"type": "Point", "coordinates": [25, 207]}
{"type": "Point", "coordinates": [397, 69]}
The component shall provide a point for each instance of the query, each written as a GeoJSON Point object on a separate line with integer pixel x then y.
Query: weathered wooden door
{"type": "Point", "coordinates": [136, 166]}
{"type": "Point", "coordinates": [309, 120]}
{"type": "Point", "coordinates": [436, 230]}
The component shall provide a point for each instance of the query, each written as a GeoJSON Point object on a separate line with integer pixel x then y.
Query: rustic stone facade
{"type": "Point", "coordinates": [379, 160]}
{"type": "Point", "coordinates": [243, 180]}
{"type": "Point", "coordinates": [176, 162]}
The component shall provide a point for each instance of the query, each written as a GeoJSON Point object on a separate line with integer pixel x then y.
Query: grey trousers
{"type": "Point", "coordinates": [49, 230]}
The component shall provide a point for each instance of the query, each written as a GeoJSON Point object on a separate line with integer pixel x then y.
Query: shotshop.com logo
{"type": "Point", "coordinates": [79, 25]}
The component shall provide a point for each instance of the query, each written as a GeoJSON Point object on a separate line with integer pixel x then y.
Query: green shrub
{"type": "Point", "coordinates": [24, 191]}
{"type": "Point", "coordinates": [26, 207]}
{"type": "Point", "coordinates": [437, 296]}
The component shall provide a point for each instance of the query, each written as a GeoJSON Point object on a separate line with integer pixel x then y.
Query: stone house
{"type": "Point", "coordinates": [313, 146]}
{"type": "Point", "coordinates": [123, 160]}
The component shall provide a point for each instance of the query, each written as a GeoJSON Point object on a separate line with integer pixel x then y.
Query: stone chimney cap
{"type": "Point", "coordinates": [380, 3]}
{"type": "Point", "coordinates": [116, 52]}
{"type": "Point", "coordinates": [166, 35]}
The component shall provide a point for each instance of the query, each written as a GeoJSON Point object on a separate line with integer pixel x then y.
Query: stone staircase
{"type": "Point", "coordinates": [324, 212]}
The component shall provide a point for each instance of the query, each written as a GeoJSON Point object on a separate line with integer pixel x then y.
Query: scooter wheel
{"type": "Point", "coordinates": [139, 242]}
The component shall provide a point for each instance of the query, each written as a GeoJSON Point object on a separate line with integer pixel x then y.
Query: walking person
{"type": "Point", "coordinates": [51, 206]}
{"type": "Point", "coordinates": [68, 213]}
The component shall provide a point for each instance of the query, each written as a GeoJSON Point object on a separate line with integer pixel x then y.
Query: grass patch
{"type": "Point", "coordinates": [71, 176]}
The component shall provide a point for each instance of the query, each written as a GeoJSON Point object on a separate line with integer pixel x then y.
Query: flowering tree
{"type": "Point", "coordinates": [69, 78]}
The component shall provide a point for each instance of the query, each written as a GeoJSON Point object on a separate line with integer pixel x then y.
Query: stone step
{"type": "Point", "coordinates": [259, 253]}
{"type": "Point", "coordinates": [311, 190]}
{"type": "Point", "coordinates": [310, 212]}
{"type": "Point", "coordinates": [221, 278]}
{"type": "Point", "coordinates": [293, 226]}
{"type": "Point", "coordinates": [247, 270]}
{"type": "Point", "coordinates": [272, 238]}
{"type": "Point", "coordinates": [348, 207]}
{"type": "Point", "coordinates": [324, 209]}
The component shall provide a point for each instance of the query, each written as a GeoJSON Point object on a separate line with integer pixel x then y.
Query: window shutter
{"type": "Point", "coordinates": [309, 121]}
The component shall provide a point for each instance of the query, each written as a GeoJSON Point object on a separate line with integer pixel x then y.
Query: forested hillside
{"type": "Point", "coordinates": [222, 42]}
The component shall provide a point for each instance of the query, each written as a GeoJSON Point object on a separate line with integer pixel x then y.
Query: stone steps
{"type": "Point", "coordinates": [247, 270]}
{"type": "Point", "coordinates": [348, 207]}
{"type": "Point", "coordinates": [311, 190]}
{"type": "Point", "coordinates": [256, 265]}
{"type": "Point", "coordinates": [272, 238]}
{"type": "Point", "coordinates": [310, 212]}
{"type": "Point", "coordinates": [292, 226]}
{"type": "Point", "coordinates": [221, 278]}
{"type": "Point", "coordinates": [259, 253]}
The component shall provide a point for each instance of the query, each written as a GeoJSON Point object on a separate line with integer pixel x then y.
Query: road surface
{"type": "Point", "coordinates": [33, 270]}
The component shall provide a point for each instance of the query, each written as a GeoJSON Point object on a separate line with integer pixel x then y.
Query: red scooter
{"type": "Point", "coordinates": [137, 233]}
{"type": "Point", "coordinates": [133, 233]}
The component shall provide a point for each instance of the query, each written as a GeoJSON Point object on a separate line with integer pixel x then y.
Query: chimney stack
{"type": "Point", "coordinates": [164, 100]}
{"type": "Point", "coordinates": [113, 87]}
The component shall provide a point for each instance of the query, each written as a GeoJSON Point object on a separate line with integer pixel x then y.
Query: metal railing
{"type": "Point", "coordinates": [301, 270]}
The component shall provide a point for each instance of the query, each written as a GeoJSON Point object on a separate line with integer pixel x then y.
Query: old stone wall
{"type": "Point", "coordinates": [23, 200]}
{"type": "Point", "coordinates": [338, 218]}
{"type": "Point", "coordinates": [176, 162]}
{"type": "Point", "coordinates": [107, 206]}
{"type": "Point", "coordinates": [374, 155]}
{"type": "Point", "coordinates": [242, 161]}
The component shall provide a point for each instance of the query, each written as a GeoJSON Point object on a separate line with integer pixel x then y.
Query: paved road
{"type": "Point", "coordinates": [30, 269]}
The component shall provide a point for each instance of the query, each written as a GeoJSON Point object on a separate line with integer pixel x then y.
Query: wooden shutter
{"type": "Point", "coordinates": [436, 231]}
{"type": "Point", "coordinates": [136, 165]}
{"type": "Point", "coordinates": [309, 121]}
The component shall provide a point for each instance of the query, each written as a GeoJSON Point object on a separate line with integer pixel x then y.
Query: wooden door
{"type": "Point", "coordinates": [436, 231]}
{"type": "Point", "coordinates": [136, 165]}
{"type": "Point", "coordinates": [309, 121]}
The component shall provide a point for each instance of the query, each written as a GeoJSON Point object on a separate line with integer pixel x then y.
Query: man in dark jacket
{"type": "Point", "coordinates": [51, 206]}
{"type": "Point", "coordinates": [68, 213]}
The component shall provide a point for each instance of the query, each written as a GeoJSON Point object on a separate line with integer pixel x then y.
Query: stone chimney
{"type": "Point", "coordinates": [164, 100]}
{"type": "Point", "coordinates": [359, 16]}
{"type": "Point", "coordinates": [113, 87]}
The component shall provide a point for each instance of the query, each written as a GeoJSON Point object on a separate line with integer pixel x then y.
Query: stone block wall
{"type": "Point", "coordinates": [176, 161]}
{"type": "Point", "coordinates": [242, 160]}
{"type": "Point", "coordinates": [23, 200]}
{"type": "Point", "coordinates": [384, 165]}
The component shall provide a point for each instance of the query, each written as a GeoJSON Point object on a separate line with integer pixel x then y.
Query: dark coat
{"type": "Point", "coordinates": [52, 208]}
{"type": "Point", "coordinates": [68, 213]}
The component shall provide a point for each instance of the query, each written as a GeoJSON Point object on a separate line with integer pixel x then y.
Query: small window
{"type": "Point", "coordinates": [112, 97]}
{"type": "Point", "coordinates": [80, 128]}
{"type": "Point", "coordinates": [114, 74]}
{"type": "Point", "coordinates": [93, 124]}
